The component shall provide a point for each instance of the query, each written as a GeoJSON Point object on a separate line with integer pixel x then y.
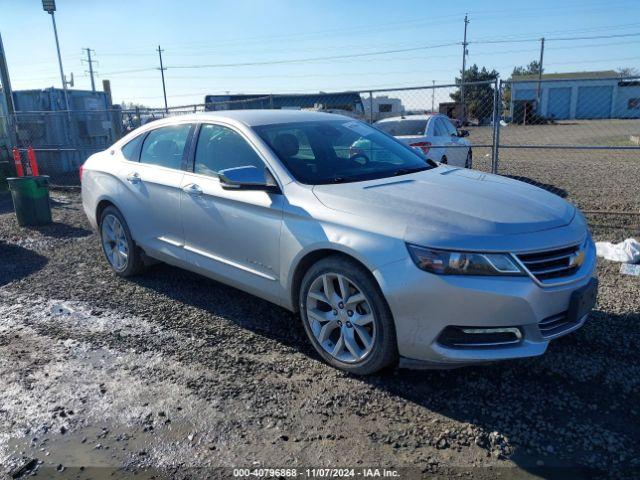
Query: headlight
{"type": "Point", "coordinates": [444, 262]}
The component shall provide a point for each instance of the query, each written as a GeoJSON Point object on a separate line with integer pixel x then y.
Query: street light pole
{"type": "Point", "coordinates": [49, 6]}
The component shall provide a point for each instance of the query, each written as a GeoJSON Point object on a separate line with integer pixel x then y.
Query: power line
{"type": "Point", "coordinates": [366, 54]}
{"type": "Point", "coordinates": [313, 59]}
{"type": "Point", "coordinates": [558, 39]}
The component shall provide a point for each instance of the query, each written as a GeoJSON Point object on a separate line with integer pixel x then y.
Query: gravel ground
{"type": "Point", "coordinates": [171, 375]}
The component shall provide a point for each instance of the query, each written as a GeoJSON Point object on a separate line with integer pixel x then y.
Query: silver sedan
{"type": "Point", "coordinates": [388, 257]}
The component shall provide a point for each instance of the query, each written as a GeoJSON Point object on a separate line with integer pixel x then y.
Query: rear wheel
{"type": "Point", "coordinates": [346, 317]}
{"type": "Point", "coordinates": [119, 249]}
{"type": "Point", "coordinates": [444, 160]}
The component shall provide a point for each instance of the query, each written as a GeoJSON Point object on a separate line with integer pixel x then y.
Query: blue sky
{"type": "Point", "coordinates": [125, 34]}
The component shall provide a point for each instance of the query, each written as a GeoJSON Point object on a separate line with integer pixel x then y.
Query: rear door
{"type": "Point", "coordinates": [154, 181]}
{"type": "Point", "coordinates": [457, 151]}
{"type": "Point", "coordinates": [234, 234]}
{"type": "Point", "coordinates": [443, 141]}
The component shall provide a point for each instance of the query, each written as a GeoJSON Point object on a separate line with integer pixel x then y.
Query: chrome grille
{"type": "Point", "coordinates": [555, 325]}
{"type": "Point", "coordinates": [552, 264]}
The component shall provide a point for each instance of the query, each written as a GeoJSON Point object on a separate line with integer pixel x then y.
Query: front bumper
{"type": "Point", "coordinates": [423, 305]}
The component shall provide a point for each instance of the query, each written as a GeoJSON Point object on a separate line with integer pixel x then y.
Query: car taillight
{"type": "Point", "coordinates": [81, 170]}
{"type": "Point", "coordinates": [424, 146]}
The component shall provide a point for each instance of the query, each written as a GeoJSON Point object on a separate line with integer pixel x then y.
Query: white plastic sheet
{"type": "Point", "coordinates": [627, 251]}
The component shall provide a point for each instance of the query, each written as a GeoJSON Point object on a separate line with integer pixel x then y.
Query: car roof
{"type": "Point", "coordinates": [409, 117]}
{"type": "Point", "coordinates": [256, 117]}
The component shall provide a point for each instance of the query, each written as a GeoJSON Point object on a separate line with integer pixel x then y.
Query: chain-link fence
{"type": "Point", "coordinates": [62, 140]}
{"type": "Point", "coordinates": [577, 137]}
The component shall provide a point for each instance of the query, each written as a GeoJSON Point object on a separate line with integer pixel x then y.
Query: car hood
{"type": "Point", "coordinates": [449, 201]}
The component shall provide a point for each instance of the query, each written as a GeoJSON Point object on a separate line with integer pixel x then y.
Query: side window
{"type": "Point", "coordinates": [131, 150]}
{"type": "Point", "coordinates": [220, 148]}
{"type": "Point", "coordinates": [164, 146]}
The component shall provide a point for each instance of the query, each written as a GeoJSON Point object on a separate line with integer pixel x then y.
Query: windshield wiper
{"type": "Point", "coordinates": [405, 171]}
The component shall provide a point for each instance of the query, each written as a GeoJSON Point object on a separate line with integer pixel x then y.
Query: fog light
{"type": "Point", "coordinates": [479, 337]}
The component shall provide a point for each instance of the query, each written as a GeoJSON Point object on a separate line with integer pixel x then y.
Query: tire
{"type": "Point", "coordinates": [444, 160]}
{"type": "Point", "coordinates": [469, 161]}
{"type": "Point", "coordinates": [369, 311]}
{"type": "Point", "coordinates": [113, 246]}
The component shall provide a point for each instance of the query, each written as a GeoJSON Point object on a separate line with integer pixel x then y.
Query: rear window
{"type": "Point", "coordinates": [131, 150]}
{"type": "Point", "coordinates": [403, 127]}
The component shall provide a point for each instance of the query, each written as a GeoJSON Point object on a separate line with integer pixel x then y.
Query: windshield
{"type": "Point", "coordinates": [339, 151]}
{"type": "Point", "coordinates": [403, 127]}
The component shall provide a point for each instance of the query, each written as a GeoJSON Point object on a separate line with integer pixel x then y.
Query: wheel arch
{"type": "Point", "coordinates": [105, 202]}
{"type": "Point", "coordinates": [101, 206]}
{"type": "Point", "coordinates": [308, 259]}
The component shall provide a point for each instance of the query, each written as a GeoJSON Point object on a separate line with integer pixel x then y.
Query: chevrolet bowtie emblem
{"type": "Point", "coordinates": [576, 259]}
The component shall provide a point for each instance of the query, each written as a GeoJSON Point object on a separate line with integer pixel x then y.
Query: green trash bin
{"type": "Point", "coordinates": [31, 199]}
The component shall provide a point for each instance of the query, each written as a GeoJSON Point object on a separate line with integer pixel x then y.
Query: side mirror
{"type": "Point", "coordinates": [463, 133]}
{"type": "Point", "coordinates": [248, 178]}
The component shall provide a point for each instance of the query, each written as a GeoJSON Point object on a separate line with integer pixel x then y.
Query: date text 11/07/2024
{"type": "Point", "coordinates": [336, 473]}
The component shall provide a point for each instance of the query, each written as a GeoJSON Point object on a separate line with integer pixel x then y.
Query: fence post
{"type": "Point", "coordinates": [497, 101]}
{"type": "Point", "coordinates": [370, 107]}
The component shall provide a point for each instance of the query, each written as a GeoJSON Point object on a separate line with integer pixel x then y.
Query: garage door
{"type": "Point", "coordinates": [559, 103]}
{"type": "Point", "coordinates": [594, 102]}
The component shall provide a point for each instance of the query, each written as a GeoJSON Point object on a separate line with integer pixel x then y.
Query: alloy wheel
{"type": "Point", "coordinates": [114, 242]}
{"type": "Point", "coordinates": [341, 318]}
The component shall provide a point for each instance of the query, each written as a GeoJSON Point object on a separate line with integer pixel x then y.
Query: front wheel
{"type": "Point", "coordinates": [346, 317]}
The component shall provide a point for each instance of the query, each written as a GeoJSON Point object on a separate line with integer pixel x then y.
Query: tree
{"type": "Point", "coordinates": [478, 99]}
{"type": "Point", "coordinates": [628, 71]}
{"type": "Point", "coordinates": [132, 105]}
{"type": "Point", "coordinates": [531, 69]}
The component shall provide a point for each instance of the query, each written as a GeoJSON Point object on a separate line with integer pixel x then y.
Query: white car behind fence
{"type": "Point", "coordinates": [434, 135]}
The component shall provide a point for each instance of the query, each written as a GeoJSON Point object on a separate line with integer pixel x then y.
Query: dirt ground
{"type": "Point", "coordinates": [171, 375]}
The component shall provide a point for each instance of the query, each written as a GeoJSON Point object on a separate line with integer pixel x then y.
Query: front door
{"type": "Point", "coordinates": [233, 234]}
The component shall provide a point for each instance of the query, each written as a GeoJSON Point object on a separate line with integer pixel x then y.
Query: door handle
{"type": "Point", "coordinates": [133, 177]}
{"type": "Point", "coordinates": [192, 189]}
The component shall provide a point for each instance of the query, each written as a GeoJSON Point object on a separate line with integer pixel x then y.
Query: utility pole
{"type": "Point", "coordinates": [538, 91]}
{"type": "Point", "coordinates": [433, 94]}
{"type": "Point", "coordinates": [49, 6]}
{"type": "Point", "coordinates": [164, 88]}
{"type": "Point", "coordinates": [90, 63]}
{"type": "Point", "coordinates": [464, 67]}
